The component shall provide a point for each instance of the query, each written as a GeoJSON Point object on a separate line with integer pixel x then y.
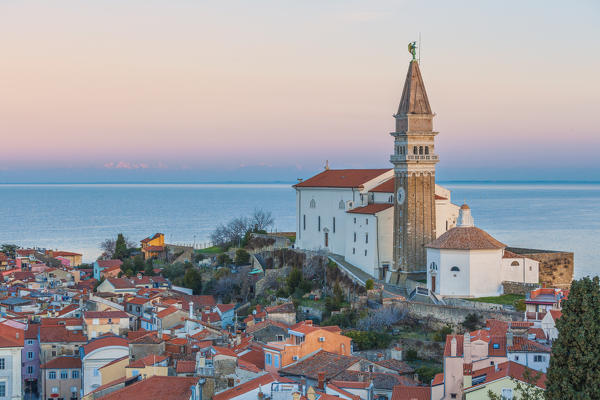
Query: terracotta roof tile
{"type": "Point", "coordinates": [372, 208]}
{"type": "Point", "coordinates": [156, 387]}
{"type": "Point", "coordinates": [402, 392]}
{"type": "Point", "coordinates": [386, 187]}
{"type": "Point", "coordinates": [466, 238]}
{"type": "Point", "coordinates": [239, 390]}
{"type": "Point", "coordinates": [345, 178]}
{"type": "Point", "coordinates": [63, 362]}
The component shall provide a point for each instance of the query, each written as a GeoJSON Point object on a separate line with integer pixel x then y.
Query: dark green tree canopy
{"type": "Point", "coordinates": [574, 371]}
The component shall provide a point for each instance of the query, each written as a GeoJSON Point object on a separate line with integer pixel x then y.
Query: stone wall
{"type": "Point", "coordinates": [518, 287]}
{"type": "Point", "coordinates": [441, 315]}
{"type": "Point", "coordinates": [556, 267]}
{"type": "Point", "coordinates": [477, 305]}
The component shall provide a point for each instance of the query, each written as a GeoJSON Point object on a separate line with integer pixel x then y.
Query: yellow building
{"type": "Point", "coordinates": [97, 323]}
{"type": "Point", "coordinates": [501, 379]}
{"type": "Point", "coordinates": [153, 246]}
{"type": "Point", "coordinates": [114, 370]}
{"type": "Point", "coordinates": [151, 365]}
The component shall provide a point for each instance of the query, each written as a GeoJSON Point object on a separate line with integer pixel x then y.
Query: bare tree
{"type": "Point", "coordinates": [108, 247]}
{"type": "Point", "coordinates": [381, 318]}
{"type": "Point", "coordinates": [261, 219]}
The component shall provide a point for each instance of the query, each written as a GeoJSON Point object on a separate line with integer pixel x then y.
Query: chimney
{"type": "Point", "coordinates": [396, 353]}
{"type": "Point", "coordinates": [467, 347]}
{"type": "Point", "coordinates": [453, 347]}
{"type": "Point", "coordinates": [467, 375]}
{"type": "Point", "coordinates": [321, 384]}
{"type": "Point", "coordinates": [509, 339]}
{"type": "Point", "coordinates": [191, 310]}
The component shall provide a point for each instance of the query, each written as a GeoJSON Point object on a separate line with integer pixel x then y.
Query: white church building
{"type": "Point", "coordinates": [397, 223]}
{"type": "Point", "coordinates": [350, 212]}
{"type": "Point", "coordinates": [466, 261]}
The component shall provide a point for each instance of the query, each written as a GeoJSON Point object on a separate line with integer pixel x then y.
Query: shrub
{"type": "Point", "coordinates": [369, 284]}
{"type": "Point", "coordinates": [472, 322]}
{"type": "Point", "coordinates": [411, 355]}
{"type": "Point", "coordinates": [426, 374]}
{"type": "Point", "coordinates": [367, 340]}
{"type": "Point", "coordinates": [242, 257]}
{"type": "Point", "coordinates": [440, 334]}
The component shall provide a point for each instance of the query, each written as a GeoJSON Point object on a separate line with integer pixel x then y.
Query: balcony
{"type": "Point", "coordinates": [413, 157]}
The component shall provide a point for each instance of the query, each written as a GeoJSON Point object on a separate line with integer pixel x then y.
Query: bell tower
{"type": "Point", "coordinates": [414, 162]}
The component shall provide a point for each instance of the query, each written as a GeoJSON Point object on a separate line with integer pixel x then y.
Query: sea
{"type": "Point", "coordinates": [78, 217]}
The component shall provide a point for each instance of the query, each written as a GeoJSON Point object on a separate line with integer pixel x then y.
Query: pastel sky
{"type": "Point", "coordinates": [173, 90]}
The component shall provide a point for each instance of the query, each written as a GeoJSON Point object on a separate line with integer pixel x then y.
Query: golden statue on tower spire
{"type": "Point", "coordinates": [412, 49]}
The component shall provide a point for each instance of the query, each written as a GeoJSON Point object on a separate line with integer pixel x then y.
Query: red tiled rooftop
{"type": "Point", "coordinates": [372, 208]}
{"type": "Point", "coordinates": [63, 362]}
{"type": "Point", "coordinates": [156, 387]}
{"type": "Point", "coordinates": [466, 238]}
{"type": "Point", "coordinates": [105, 341]}
{"type": "Point", "coordinates": [239, 390]}
{"type": "Point", "coordinates": [344, 178]}
{"type": "Point", "coordinates": [105, 314]}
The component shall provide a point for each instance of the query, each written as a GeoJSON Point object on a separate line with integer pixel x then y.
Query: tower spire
{"type": "Point", "coordinates": [414, 97]}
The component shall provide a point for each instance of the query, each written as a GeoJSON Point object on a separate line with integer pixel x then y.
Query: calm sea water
{"type": "Point", "coordinates": [555, 216]}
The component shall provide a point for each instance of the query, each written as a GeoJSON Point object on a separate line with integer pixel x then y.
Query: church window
{"type": "Point", "coordinates": [455, 269]}
{"type": "Point", "coordinates": [304, 221]}
{"type": "Point", "coordinates": [365, 253]}
{"type": "Point", "coordinates": [355, 237]}
{"type": "Point", "coordinates": [319, 223]}
{"type": "Point", "coordinates": [354, 219]}
{"type": "Point", "coordinates": [514, 264]}
{"type": "Point", "coordinates": [313, 203]}
{"type": "Point", "coordinates": [415, 150]}
{"type": "Point", "coordinates": [366, 221]}
{"type": "Point", "coordinates": [420, 149]}
{"type": "Point", "coordinates": [333, 224]}
{"type": "Point", "coordinates": [341, 206]}
{"type": "Point", "coordinates": [366, 238]}
{"type": "Point", "coordinates": [426, 149]}
{"type": "Point", "coordinates": [433, 266]}
{"type": "Point", "coordinates": [353, 250]}
{"type": "Point", "coordinates": [530, 268]}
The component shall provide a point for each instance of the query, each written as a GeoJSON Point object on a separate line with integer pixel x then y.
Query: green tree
{"type": "Point", "coordinates": [149, 268]}
{"type": "Point", "coordinates": [472, 322]}
{"type": "Point", "coordinates": [223, 259]}
{"type": "Point", "coordinates": [9, 249]}
{"type": "Point", "coordinates": [127, 267]}
{"type": "Point", "coordinates": [242, 257]}
{"type": "Point", "coordinates": [193, 280]}
{"type": "Point", "coordinates": [138, 263]}
{"type": "Point", "coordinates": [426, 374]}
{"type": "Point", "coordinates": [369, 284]}
{"type": "Point", "coordinates": [294, 279]}
{"type": "Point", "coordinates": [574, 371]}
{"type": "Point", "coordinates": [120, 247]}
{"type": "Point", "coordinates": [98, 283]}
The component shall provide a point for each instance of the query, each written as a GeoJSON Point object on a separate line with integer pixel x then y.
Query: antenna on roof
{"type": "Point", "coordinates": [419, 48]}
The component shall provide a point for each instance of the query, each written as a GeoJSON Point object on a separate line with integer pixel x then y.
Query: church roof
{"type": "Point", "coordinates": [385, 187]}
{"type": "Point", "coordinates": [414, 97]}
{"type": "Point", "coordinates": [466, 238]}
{"type": "Point", "coordinates": [342, 178]}
{"type": "Point", "coordinates": [372, 208]}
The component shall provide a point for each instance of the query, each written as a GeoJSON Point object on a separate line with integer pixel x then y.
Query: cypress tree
{"type": "Point", "coordinates": [120, 247]}
{"type": "Point", "coordinates": [574, 371]}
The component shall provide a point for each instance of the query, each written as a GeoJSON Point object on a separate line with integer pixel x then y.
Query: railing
{"type": "Point", "coordinates": [414, 157]}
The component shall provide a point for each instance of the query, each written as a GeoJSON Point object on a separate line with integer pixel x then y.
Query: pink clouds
{"type": "Point", "coordinates": [126, 165]}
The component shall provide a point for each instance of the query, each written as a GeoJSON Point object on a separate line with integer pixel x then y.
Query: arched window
{"type": "Point", "coordinates": [342, 205]}
{"type": "Point", "coordinates": [313, 203]}
{"type": "Point", "coordinates": [514, 264]}
{"type": "Point", "coordinates": [415, 150]}
{"type": "Point", "coordinates": [426, 149]}
{"type": "Point", "coordinates": [433, 266]}
{"type": "Point", "coordinates": [420, 149]}
{"type": "Point", "coordinates": [455, 269]}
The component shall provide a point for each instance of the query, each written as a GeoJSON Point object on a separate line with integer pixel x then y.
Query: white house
{"type": "Point", "coordinates": [528, 353]}
{"type": "Point", "coordinates": [549, 324]}
{"type": "Point", "coordinates": [468, 262]}
{"type": "Point", "coordinates": [350, 212]}
{"type": "Point", "coordinates": [98, 353]}
{"type": "Point", "coordinates": [11, 345]}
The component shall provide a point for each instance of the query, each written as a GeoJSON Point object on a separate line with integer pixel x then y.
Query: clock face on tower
{"type": "Point", "coordinates": [400, 196]}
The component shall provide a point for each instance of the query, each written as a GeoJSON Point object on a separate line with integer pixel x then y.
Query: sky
{"type": "Point", "coordinates": [207, 91]}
